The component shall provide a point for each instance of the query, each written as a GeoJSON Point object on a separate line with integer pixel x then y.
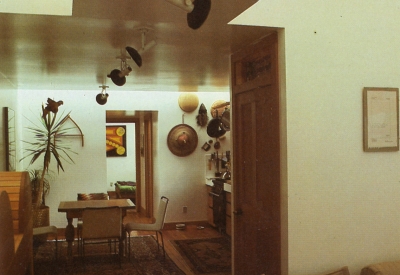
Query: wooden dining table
{"type": "Point", "coordinates": [74, 210]}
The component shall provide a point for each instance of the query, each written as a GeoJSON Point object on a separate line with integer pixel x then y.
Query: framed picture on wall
{"type": "Point", "coordinates": [116, 141]}
{"type": "Point", "coordinates": [381, 119]}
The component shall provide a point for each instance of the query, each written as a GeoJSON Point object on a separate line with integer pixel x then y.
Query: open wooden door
{"type": "Point", "coordinates": [256, 159]}
{"type": "Point", "coordinates": [148, 162]}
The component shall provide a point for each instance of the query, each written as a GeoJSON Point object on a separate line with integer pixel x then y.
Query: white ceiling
{"type": "Point", "coordinates": [77, 52]}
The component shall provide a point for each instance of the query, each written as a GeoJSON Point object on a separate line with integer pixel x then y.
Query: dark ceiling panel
{"type": "Point", "coordinates": [77, 52]}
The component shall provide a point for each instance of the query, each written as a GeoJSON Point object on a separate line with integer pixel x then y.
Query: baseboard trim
{"type": "Point", "coordinates": [172, 225]}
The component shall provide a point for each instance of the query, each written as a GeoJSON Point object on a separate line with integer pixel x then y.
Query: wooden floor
{"type": "Point", "coordinates": [191, 232]}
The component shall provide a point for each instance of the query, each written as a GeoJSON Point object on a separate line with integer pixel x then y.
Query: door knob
{"type": "Point", "coordinates": [238, 212]}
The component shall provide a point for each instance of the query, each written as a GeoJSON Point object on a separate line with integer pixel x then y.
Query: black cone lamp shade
{"type": "Point", "coordinates": [135, 55]}
{"type": "Point", "coordinates": [102, 98]}
{"type": "Point", "coordinates": [117, 77]}
{"type": "Point", "coordinates": [198, 16]}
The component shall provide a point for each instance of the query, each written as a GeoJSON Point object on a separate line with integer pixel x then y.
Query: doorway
{"type": "Point", "coordinates": [141, 169]}
{"type": "Point", "coordinates": [257, 159]}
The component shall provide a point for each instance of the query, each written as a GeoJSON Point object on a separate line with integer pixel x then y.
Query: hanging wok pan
{"type": "Point", "coordinates": [214, 127]}
{"type": "Point", "coordinates": [218, 126]}
{"type": "Point", "coordinates": [226, 120]}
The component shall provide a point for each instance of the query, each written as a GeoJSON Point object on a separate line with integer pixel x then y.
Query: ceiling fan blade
{"type": "Point", "coordinates": [198, 16]}
{"type": "Point", "coordinates": [135, 55]}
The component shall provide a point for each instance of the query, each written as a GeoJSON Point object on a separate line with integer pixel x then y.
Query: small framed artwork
{"type": "Point", "coordinates": [116, 141]}
{"type": "Point", "coordinates": [381, 119]}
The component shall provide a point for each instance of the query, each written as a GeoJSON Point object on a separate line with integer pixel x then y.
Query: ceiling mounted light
{"type": "Point", "coordinates": [119, 76]}
{"type": "Point", "coordinates": [134, 55]}
{"type": "Point", "coordinates": [145, 47]}
{"type": "Point", "coordinates": [101, 98]}
{"type": "Point", "coordinates": [197, 10]}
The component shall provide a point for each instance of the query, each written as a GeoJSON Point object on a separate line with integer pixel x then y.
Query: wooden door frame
{"type": "Point", "coordinates": [138, 166]}
{"type": "Point", "coordinates": [144, 148]}
{"type": "Point", "coordinates": [148, 162]}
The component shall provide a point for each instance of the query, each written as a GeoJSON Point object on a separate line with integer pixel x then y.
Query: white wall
{"type": "Point", "coordinates": [343, 202]}
{"type": "Point", "coordinates": [182, 179]}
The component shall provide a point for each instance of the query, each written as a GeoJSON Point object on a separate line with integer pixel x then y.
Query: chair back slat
{"type": "Point", "coordinates": [6, 233]}
{"type": "Point", "coordinates": [102, 223]}
{"type": "Point", "coordinates": [161, 213]}
{"type": "Point", "coordinates": [92, 196]}
{"type": "Point", "coordinates": [18, 187]}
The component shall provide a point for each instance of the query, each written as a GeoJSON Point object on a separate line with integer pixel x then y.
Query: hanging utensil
{"type": "Point", "coordinates": [226, 120]}
{"type": "Point", "coordinates": [218, 173]}
{"type": "Point", "coordinates": [217, 144]}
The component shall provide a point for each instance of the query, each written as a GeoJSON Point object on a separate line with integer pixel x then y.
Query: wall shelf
{"type": "Point", "coordinates": [75, 125]}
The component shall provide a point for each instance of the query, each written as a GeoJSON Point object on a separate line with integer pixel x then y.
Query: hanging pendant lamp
{"type": "Point", "coordinates": [101, 98]}
{"type": "Point", "coordinates": [197, 10]}
{"type": "Point", "coordinates": [135, 55]}
{"type": "Point", "coordinates": [198, 16]}
{"type": "Point", "coordinates": [119, 76]}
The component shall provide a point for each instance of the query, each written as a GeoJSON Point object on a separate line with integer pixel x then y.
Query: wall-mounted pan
{"type": "Point", "coordinates": [226, 120]}
{"type": "Point", "coordinates": [214, 128]}
{"type": "Point", "coordinates": [182, 140]}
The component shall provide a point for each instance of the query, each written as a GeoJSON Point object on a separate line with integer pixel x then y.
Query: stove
{"type": "Point", "coordinates": [219, 204]}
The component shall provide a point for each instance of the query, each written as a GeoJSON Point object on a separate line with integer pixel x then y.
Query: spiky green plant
{"type": "Point", "coordinates": [48, 142]}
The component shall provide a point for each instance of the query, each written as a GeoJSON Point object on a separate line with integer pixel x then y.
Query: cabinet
{"type": "Point", "coordinates": [210, 216]}
{"type": "Point", "coordinates": [228, 214]}
{"type": "Point", "coordinates": [210, 210]}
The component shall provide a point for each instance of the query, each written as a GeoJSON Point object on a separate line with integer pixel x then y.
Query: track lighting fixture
{"type": "Point", "coordinates": [119, 76]}
{"type": "Point", "coordinates": [101, 98]}
{"type": "Point", "coordinates": [197, 10]}
{"type": "Point", "coordinates": [145, 47]}
{"type": "Point", "coordinates": [134, 55]}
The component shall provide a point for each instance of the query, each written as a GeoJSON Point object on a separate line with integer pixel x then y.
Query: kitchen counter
{"type": "Point", "coordinates": [219, 204]}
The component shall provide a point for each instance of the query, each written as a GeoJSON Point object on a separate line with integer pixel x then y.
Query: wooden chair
{"type": "Point", "coordinates": [18, 188]}
{"type": "Point", "coordinates": [92, 196]}
{"type": "Point", "coordinates": [6, 234]}
{"type": "Point", "coordinates": [45, 230]}
{"type": "Point", "coordinates": [101, 225]}
{"type": "Point", "coordinates": [86, 197]}
{"type": "Point", "coordinates": [153, 227]}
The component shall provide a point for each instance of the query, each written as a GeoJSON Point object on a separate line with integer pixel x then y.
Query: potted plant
{"type": "Point", "coordinates": [48, 143]}
{"type": "Point", "coordinates": [41, 215]}
{"type": "Point", "coordinates": [35, 175]}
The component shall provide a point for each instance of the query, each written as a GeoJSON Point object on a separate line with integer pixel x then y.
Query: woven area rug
{"type": "Point", "coordinates": [145, 260]}
{"type": "Point", "coordinates": [206, 256]}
